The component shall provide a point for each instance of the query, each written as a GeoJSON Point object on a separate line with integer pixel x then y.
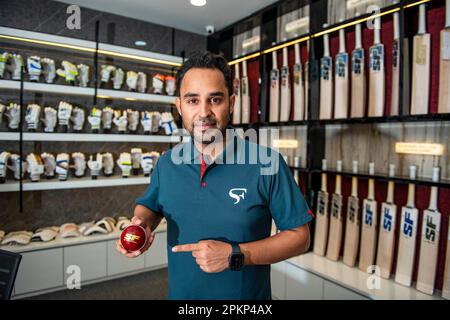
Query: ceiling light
{"type": "Point", "coordinates": [198, 3]}
{"type": "Point", "coordinates": [140, 43]}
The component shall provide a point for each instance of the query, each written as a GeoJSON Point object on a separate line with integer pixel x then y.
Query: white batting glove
{"type": "Point", "coordinates": [132, 80]}
{"type": "Point", "coordinates": [141, 82]}
{"type": "Point", "coordinates": [167, 123]}
{"type": "Point", "coordinates": [48, 69]}
{"type": "Point", "coordinates": [156, 121]}
{"type": "Point", "coordinates": [124, 163]}
{"type": "Point", "coordinates": [105, 72]}
{"type": "Point", "coordinates": [13, 115]}
{"type": "Point", "coordinates": [77, 118]}
{"type": "Point", "coordinates": [79, 164]}
{"type": "Point", "coordinates": [34, 68]}
{"type": "Point", "coordinates": [108, 164]}
{"type": "Point", "coordinates": [32, 116]}
{"type": "Point", "coordinates": [148, 162]}
{"type": "Point", "coordinates": [170, 85]}
{"type": "Point", "coordinates": [49, 120]}
{"type": "Point", "coordinates": [119, 74]}
{"type": "Point", "coordinates": [15, 65]}
{"type": "Point", "coordinates": [35, 167]}
{"type": "Point", "coordinates": [15, 167]}
{"type": "Point", "coordinates": [69, 72]}
{"type": "Point", "coordinates": [62, 166]}
{"type": "Point", "coordinates": [64, 113]}
{"type": "Point", "coordinates": [4, 157]}
{"type": "Point", "coordinates": [146, 121]}
{"type": "Point", "coordinates": [158, 83]}
{"type": "Point", "coordinates": [136, 155]}
{"type": "Point", "coordinates": [49, 164]}
{"type": "Point", "coordinates": [120, 120]}
{"type": "Point", "coordinates": [95, 165]}
{"type": "Point", "coordinates": [133, 119]}
{"type": "Point", "coordinates": [107, 116]}
{"type": "Point", "coordinates": [83, 75]}
{"type": "Point", "coordinates": [95, 118]}
{"type": "Point", "coordinates": [3, 61]}
{"type": "Point", "coordinates": [2, 111]}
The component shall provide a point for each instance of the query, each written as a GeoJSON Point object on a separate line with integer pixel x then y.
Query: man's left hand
{"type": "Point", "coordinates": [210, 255]}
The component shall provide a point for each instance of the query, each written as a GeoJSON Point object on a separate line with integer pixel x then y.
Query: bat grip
{"type": "Point", "coordinates": [236, 70]}
{"type": "Point", "coordinates": [285, 57]}
{"type": "Point", "coordinates": [433, 199]}
{"type": "Point", "coordinates": [422, 19]}
{"type": "Point", "coordinates": [358, 41]}
{"type": "Point", "coordinates": [326, 46]}
{"type": "Point", "coordinates": [447, 14]}
{"type": "Point", "coordinates": [376, 31]}
{"type": "Point", "coordinates": [338, 188]}
{"type": "Point", "coordinates": [297, 53]}
{"type": "Point", "coordinates": [396, 26]}
{"type": "Point", "coordinates": [244, 68]}
{"type": "Point", "coordinates": [324, 182]}
{"type": "Point", "coordinates": [390, 195]}
{"type": "Point", "coordinates": [354, 187]}
{"type": "Point", "coordinates": [411, 195]}
{"type": "Point", "coordinates": [371, 194]}
{"type": "Point", "coordinates": [342, 41]}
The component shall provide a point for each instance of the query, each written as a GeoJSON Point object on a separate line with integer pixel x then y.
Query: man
{"type": "Point", "coordinates": [219, 215]}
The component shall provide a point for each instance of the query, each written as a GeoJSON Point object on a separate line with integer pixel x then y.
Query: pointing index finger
{"type": "Point", "coordinates": [186, 247]}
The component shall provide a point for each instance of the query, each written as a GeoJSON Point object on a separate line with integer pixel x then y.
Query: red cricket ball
{"type": "Point", "coordinates": [133, 238]}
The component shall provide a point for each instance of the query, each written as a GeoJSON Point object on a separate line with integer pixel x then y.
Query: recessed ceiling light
{"type": "Point", "coordinates": [140, 43]}
{"type": "Point", "coordinates": [198, 3]}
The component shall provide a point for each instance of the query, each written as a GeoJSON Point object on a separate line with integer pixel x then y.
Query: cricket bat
{"type": "Point", "coordinates": [429, 242]}
{"type": "Point", "coordinates": [274, 90]}
{"type": "Point", "coordinates": [296, 173]}
{"type": "Point", "coordinates": [245, 94]}
{"type": "Point", "coordinates": [326, 81]}
{"type": "Point", "coordinates": [335, 233]}
{"type": "Point", "coordinates": [407, 237]}
{"type": "Point", "coordinates": [285, 103]}
{"type": "Point", "coordinates": [446, 285]}
{"type": "Point", "coordinates": [352, 225]}
{"type": "Point", "coordinates": [342, 80]}
{"type": "Point", "coordinates": [322, 216]}
{"type": "Point", "coordinates": [369, 226]}
{"type": "Point", "coordinates": [420, 94]}
{"type": "Point", "coordinates": [386, 238]}
{"type": "Point", "coordinates": [237, 94]}
{"type": "Point", "coordinates": [299, 97]}
{"type": "Point", "coordinates": [358, 98]}
{"type": "Point", "coordinates": [377, 84]}
{"type": "Point", "coordinates": [395, 67]}
{"type": "Point", "coordinates": [444, 67]}
{"type": "Point", "coordinates": [307, 83]}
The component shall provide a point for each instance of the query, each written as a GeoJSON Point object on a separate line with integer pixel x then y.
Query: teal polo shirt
{"type": "Point", "coordinates": [225, 202]}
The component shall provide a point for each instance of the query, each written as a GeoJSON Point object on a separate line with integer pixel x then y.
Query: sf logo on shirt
{"type": "Point", "coordinates": [237, 194]}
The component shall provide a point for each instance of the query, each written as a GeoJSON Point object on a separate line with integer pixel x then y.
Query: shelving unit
{"type": "Point", "coordinates": [74, 183]}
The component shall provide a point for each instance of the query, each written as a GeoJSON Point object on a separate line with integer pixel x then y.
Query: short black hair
{"type": "Point", "coordinates": [206, 60]}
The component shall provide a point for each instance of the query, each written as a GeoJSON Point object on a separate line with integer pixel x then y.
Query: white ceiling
{"type": "Point", "coordinates": [179, 14]}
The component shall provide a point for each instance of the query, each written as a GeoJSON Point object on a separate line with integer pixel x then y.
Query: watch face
{"type": "Point", "coordinates": [236, 261]}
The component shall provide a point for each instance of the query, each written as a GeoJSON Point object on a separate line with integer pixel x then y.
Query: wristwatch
{"type": "Point", "coordinates": [236, 258]}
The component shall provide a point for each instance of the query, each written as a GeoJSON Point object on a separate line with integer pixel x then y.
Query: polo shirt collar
{"type": "Point", "coordinates": [230, 154]}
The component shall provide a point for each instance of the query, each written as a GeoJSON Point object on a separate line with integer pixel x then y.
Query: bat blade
{"type": "Point", "coordinates": [326, 88]}
{"type": "Point", "coordinates": [386, 239]}
{"type": "Point", "coordinates": [285, 103]}
{"type": "Point", "coordinates": [429, 246]}
{"type": "Point", "coordinates": [376, 81]}
{"type": "Point", "coordinates": [421, 74]}
{"type": "Point", "coordinates": [237, 102]}
{"type": "Point", "coordinates": [299, 98]}
{"type": "Point", "coordinates": [274, 95]}
{"type": "Point", "coordinates": [444, 73]}
{"type": "Point", "coordinates": [335, 233]}
{"type": "Point", "coordinates": [368, 235]}
{"type": "Point", "coordinates": [245, 95]}
{"type": "Point", "coordinates": [352, 229]}
{"type": "Point", "coordinates": [395, 78]}
{"type": "Point", "coordinates": [322, 220]}
{"type": "Point", "coordinates": [446, 285]}
{"type": "Point", "coordinates": [341, 87]}
{"type": "Point", "coordinates": [406, 246]}
{"type": "Point", "coordinates": [358, 87]}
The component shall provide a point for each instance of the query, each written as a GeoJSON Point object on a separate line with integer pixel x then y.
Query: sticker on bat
{"type": "Point", "coordinates": [325, 68]}
{"type": "Point", "coordinates": [376, 57]}
{"type": "Point", "coordinates": [357, 59]}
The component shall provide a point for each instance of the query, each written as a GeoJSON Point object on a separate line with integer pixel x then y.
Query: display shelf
{"type": "Point", "coordinates": [88, 137]}
{"type": "Point", "coordinates": [398, 179]}
{"type": "Point", "coordinates": [88, 92]}
{"type": "Point", "coordinates": [59, 242]}
{"type": "Point", "coordinates": [135, 96]}
{"type": "Point", "coordinates": [88, 46]}
{"type": "Point", "coordinates": [74, 183]}
{"type": "Point", "coordinates": [356, 280]}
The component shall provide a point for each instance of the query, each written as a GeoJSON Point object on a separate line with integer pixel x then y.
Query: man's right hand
{"type": "Point", "coordinates": [150, 237]}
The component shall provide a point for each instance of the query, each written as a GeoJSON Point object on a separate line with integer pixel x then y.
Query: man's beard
{"type": "Point", "coordinates": [213, 134]}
